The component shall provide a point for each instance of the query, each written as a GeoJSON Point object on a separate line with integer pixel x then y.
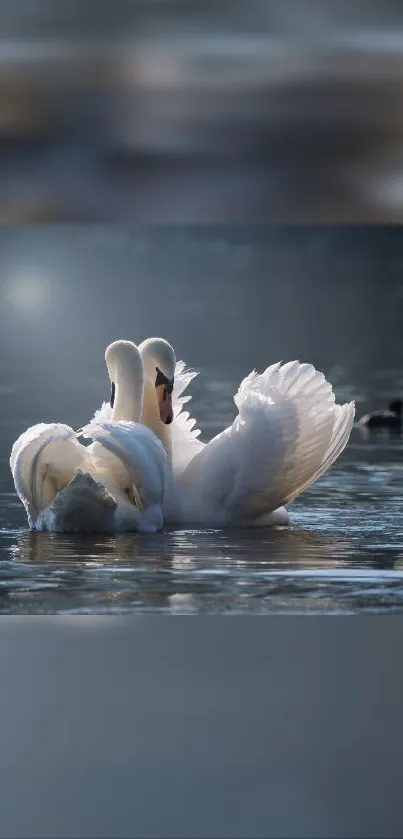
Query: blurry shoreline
{"type": "Point", "coordinates": [165, 111]}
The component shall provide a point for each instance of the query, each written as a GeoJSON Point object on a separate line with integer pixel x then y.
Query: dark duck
{"type": "Point", "coordinates": [389, 419]}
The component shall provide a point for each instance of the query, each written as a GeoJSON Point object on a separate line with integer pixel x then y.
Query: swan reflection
{"type": "Point", "coordinates": [174, 571]}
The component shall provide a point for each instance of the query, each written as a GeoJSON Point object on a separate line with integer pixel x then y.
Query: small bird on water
{"type": "Point", "coordinates": [390, 419]}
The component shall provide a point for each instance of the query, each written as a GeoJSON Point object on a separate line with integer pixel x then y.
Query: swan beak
{"type": "Point", "coordinates": [165, 404]}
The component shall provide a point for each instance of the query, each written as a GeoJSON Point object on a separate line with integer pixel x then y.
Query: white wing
{"type": "Point", "coordinates": [132, 456]}
{"type": "Point", "coordinates": [184, 435]}
{"type": "Point", "coordinates": [43, 461]}
{"type": "Point", "coordinates": [288, 432]}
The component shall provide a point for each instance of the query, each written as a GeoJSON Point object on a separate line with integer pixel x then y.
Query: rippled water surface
{"type": "Point", "coordinates": [343, 552]}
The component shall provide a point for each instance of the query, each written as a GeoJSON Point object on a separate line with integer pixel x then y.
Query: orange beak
{"type": "Point", "coordinates": [164, 404]}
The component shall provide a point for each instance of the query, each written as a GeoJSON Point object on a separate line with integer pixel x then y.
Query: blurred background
{"type": "Point", "coordinates": [170, 110]}
{"type": "Point", "coordinates": [229, 298]}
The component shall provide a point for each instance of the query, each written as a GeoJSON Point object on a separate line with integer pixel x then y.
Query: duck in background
{"type": "Point", "coordinates": [389, 419]}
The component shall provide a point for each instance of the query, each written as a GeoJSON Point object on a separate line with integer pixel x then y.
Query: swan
{"type": "Point", "coordinates": [287, 434]}
{"type": "Point", "coordinates": [115, 484]}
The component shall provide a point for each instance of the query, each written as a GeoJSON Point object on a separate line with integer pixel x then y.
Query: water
{"type": "Point", "coordinates": [342, 553]}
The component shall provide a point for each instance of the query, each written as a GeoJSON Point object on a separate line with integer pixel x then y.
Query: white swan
{"type": "Point", "coordinates": [287, 434]}
{"type": "Point", "coordinates": [115, 484]}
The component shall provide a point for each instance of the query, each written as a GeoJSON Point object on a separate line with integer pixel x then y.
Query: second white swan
{"type": "Point", "coordinates": [288, 432]}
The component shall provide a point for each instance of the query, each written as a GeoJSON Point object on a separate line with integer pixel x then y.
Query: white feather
{"type": "Point", "coordinates": [184, 435]}
{"type": "Point", "coordinates": [103, 414]}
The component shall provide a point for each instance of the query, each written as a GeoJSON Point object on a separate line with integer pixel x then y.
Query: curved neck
{"type": "Point", "coordinates": [151, 417]}
{"type": "Point", "coordinates": [128, 396]}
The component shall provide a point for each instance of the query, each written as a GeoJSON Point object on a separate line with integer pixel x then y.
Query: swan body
{"type": "Point", "coordinates": [287, 434]}
{"type": "Point", "coordinates": [115, 484]}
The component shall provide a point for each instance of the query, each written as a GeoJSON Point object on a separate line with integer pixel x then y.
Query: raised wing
{"type": "Point", "coordinates": [43, 461]}
{"type": "Point", "coordinates": [288, 432]}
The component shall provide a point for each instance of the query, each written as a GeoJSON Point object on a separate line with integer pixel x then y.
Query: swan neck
{"type": "Point", "coordinates": [151, 418]}
{"type": "Point", "coordinates": [128, 393]}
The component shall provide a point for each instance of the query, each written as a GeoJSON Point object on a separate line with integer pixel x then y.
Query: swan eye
{"type": "Point", "coordinates": [112, 400]}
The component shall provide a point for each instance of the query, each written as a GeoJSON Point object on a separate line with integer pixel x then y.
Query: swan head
{"type": "Point", "coordinates": [159, 367]}
{"type": "Point", "coordinates": [125, 364]}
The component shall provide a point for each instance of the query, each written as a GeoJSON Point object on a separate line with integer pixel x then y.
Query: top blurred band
{"type": "Point", "coordinates": [205, 112]}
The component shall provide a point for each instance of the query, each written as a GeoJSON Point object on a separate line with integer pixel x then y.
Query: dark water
{"type": "Point", "coordinates": [228, 300]}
